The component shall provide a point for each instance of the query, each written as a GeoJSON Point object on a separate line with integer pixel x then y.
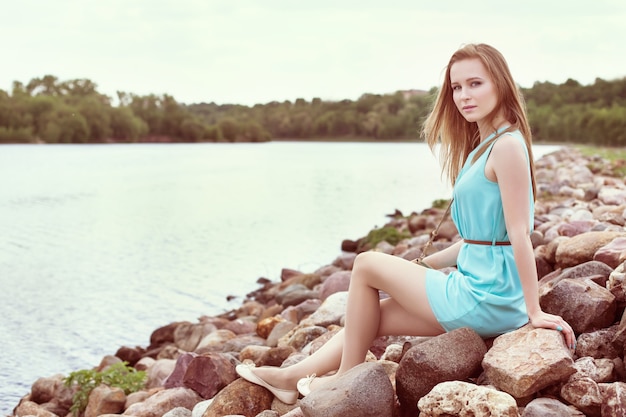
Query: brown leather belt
{"type": "Point", "coordinates": [486, 242]}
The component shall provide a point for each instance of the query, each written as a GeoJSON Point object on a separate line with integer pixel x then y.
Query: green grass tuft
{"type": "Point", "coordinates": [118, 375]}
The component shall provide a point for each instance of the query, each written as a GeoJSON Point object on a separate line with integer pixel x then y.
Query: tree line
{"type": "Point", "coordinates": [48, 110]}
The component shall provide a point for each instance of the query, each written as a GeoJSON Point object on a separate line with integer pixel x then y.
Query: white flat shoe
{"type": "Point", "coordinates": [244, 370]}
{"type": "Point", "coordinates": [304, 385]}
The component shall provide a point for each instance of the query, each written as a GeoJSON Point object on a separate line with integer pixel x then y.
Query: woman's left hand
{"type": "Point", "coordinates": [551, 321]}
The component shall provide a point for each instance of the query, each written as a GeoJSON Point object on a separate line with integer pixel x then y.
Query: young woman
{"type": "Point", "coordinates": [480, 124]}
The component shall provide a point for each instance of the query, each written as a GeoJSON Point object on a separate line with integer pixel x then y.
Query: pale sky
{"type": "Point", "coordinates": [257, 51]}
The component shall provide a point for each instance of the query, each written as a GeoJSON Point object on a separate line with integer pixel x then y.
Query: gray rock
{"type": "Point", "coordinates": [363, 391]}
{"type": "Point", "coordinates": [456, 355]}
{"type": "Point", "coordinates": [549, 407]}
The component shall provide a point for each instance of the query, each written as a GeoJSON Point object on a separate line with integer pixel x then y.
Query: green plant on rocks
{"type": "Point", "coordinates": [387, 233]}
{"type": "Point", "coordinates": [119, 375]}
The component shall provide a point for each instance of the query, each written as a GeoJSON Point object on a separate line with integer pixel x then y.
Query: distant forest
{"type": "Point", "coordinates": [47, 110]}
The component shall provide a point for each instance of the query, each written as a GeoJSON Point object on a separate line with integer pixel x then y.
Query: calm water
{"type": "Point", "coordinates": [102, 244]}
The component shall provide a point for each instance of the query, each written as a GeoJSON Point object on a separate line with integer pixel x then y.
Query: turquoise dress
{"type": "Point", "coordinates": [485, 292]}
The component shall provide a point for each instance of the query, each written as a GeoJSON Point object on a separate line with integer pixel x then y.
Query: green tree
{"type": "Point", "coordinates": [172, 117]}
{"type": "Point", "coordinates": [48, 86]}
{"type": "Point", "coordinates": [254, 132]}
{"type": "Point", "coordinates": [148, 108]}
{"type": "Point", "coordinates": [65, 125]}
{"type": "Point", "coordinates": [192, 130]}
{"type": "Point", "coordinates": [229, 129]}
{"type": "Point", "coordinates": [125, 126]}
{"type": "Point", "coordinates": [11, 130]}
{"type": "Point", "coordinates": [98, 118]}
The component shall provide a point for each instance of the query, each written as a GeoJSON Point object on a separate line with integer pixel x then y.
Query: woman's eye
{"type": "Point", "coordinates": [456, 88]}
{"type": "Point", "coordinates": [475, 83]}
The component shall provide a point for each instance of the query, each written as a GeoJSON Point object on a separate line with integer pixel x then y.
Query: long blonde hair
{"type": "Point", "coordinates": [457, 137]}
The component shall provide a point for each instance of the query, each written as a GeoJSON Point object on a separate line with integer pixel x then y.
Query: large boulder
{"type": "Point", "coordinates": [457, 398]}
{"type": "Point", "coordinates": [240, 398]}
{"type": "Point", "coordinates": [550, 407]}
{"type": "Point", "coordinates": [585, 305]}
{"type": "Point", "coordinates": [456, 355]}
{"type": "Point", "coordinates": [527, 360]}
{"type": "Point", "coordinates": [583, 247]}
{"type": "Point", "coordinates": [364, 390]}
{"type": "Point", "coordinates": [105, 400]}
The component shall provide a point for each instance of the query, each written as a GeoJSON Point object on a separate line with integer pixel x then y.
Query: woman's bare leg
{"type": "Point", "coordinates": [324, 360]}
{"type": "Point", "coordinates": [407, 312]}
{"type": "Point", "coordinates": [405, 283]}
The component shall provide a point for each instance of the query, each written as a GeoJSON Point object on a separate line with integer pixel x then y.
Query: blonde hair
{"type": "Point", "coordinates": [457, 136]}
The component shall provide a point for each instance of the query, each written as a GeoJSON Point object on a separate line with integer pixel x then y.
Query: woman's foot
{"type": "Point", "coordinates": [311, 383]}
{"type": "Point", "coordinates": [250, 373]}
{"type": "Point", "coordinates": [275, 376]}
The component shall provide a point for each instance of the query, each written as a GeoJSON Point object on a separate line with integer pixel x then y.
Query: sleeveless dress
{"type": "Point", "coordinates": [485, 292]}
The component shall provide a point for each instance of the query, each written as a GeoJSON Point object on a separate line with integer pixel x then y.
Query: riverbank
{"type": "Point", "coordinates": [579, 247]}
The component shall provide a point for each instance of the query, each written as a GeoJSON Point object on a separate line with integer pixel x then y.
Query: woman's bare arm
{"type": "Point", "coordinates": [445, 257]}
{"type": "Point", "coordinates": [508, 165]}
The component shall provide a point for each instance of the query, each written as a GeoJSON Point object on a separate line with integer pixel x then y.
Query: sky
{"type": "Point", "coordinates": [257, 51]}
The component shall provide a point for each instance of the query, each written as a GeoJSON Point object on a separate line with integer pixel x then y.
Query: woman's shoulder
{"type": "Point", "coordinates": [510, 144]}
{"type": "Point", "coordinates": [513, 136]}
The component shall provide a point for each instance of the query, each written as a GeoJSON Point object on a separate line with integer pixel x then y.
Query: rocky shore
{"type": "Point", "coordinates": [580, 251]}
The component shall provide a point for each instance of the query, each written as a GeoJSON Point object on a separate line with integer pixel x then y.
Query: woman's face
{"type": "Point", "coordinates": [473, 92]}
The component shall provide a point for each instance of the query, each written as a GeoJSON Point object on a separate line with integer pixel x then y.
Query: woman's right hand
{"type": "Point", "coordinates": [554, 322]}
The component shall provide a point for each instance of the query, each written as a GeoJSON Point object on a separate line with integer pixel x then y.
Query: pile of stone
{"type": "Point", "coordinates": [580, 250]}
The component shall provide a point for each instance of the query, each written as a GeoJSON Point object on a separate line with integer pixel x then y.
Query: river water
{"type": "Point", "coordinates": [102, 244]}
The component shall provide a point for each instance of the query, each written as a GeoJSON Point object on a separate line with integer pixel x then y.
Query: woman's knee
{"type": "Point", "coordinates": [370, 266]}
{"type": "Point", "coordinates": [366, 261]}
